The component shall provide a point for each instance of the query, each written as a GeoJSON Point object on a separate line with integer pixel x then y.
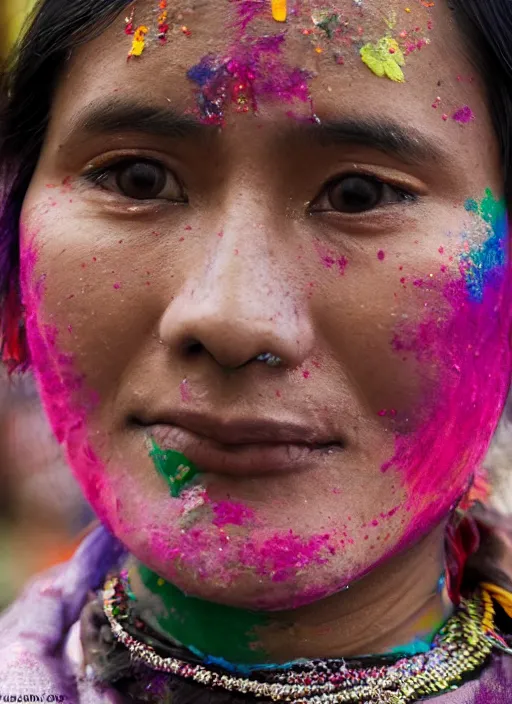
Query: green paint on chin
{"type": "Point", "coordinates": [212, 630]}
{"type": "Point", "coordinates": [174, 467]}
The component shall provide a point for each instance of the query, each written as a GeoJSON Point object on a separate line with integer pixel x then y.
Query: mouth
{"type": "Point", "coordinates": [242, 448]}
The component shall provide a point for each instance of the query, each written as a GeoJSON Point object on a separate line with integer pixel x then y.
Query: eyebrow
{"type": "Point", "coordinates": [120, 116]}
{"type": "Point", "coordinates": [388, 136]}
{"type": "Point", "coordinates": [407, 143]}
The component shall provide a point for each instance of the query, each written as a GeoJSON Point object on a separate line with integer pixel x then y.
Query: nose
{"type": "Point", "coordinates": [239, 302]}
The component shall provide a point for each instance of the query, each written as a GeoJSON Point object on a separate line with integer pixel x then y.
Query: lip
{"type": "Point", "coordinates": [243, 447]}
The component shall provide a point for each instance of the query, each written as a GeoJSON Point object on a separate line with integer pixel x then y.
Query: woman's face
{"type": "Point", "coordinates": [254, 187]}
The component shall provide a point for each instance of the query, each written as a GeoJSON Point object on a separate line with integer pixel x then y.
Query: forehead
{"type": "Point", "coordinates": [390, 60]}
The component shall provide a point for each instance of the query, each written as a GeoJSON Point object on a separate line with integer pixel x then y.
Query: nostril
{"type": "Point", "coordinates": [192, 348]}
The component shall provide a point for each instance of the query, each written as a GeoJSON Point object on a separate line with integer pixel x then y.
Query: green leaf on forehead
{"type": "Point", "coordinates": [384, 59]}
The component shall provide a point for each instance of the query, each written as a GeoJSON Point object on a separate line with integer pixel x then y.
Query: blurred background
{"type": "Point", "coordinates": [42, 512]}
{"type": "Point", "coordinates": [12, 14]}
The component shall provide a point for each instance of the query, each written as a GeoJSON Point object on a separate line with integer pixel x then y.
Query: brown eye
{"type": "Point", "coordinates": [141, 180]}
{"type": "Point", "coordinates": [358, 194]}
{"type": "Point", "coordinates": [355, 194]}
{"type": "Point", "coordinates": [138, 180]}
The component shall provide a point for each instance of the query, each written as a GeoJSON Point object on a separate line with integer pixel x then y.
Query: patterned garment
{"type": "Point", "coordinates": [40, 645]}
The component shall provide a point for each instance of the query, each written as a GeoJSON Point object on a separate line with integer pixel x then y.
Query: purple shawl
{"type": "Point", "coordinates": [34, 643]}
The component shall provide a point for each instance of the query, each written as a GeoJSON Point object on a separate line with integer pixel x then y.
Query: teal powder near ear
{"type": "Point", "coordinates": [174, 467]}
{"type": "Point", "coordinates": [484, 264]}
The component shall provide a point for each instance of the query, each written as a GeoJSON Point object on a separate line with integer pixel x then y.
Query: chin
{"type": "Point", "coordinates": [257, 570]}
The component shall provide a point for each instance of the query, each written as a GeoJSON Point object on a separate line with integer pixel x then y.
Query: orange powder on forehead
{"type": "Point", "coordinates": [279, 10]}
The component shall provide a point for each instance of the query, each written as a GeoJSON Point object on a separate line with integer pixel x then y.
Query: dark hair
{"type": "Point", "coordinates": [27, 84]}
{"type": "Point", "coordinates": [56, 27]}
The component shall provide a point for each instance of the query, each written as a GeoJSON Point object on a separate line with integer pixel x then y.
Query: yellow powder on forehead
{"type": "Point", "coordinates": [384, 58]}
{"type": "Point", "coordinates": [279, 10]}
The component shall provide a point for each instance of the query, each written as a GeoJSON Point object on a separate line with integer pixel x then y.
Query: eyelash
{"type": "Point", "coordinates": [404, 196]}
{"type": "Point", "coordinates": [98, 175]}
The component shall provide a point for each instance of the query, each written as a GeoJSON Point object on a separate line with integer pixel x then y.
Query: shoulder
{"type": "Point", "coordinates": [494, 686]}
{"type": "Point", "coordinates": [33, 629]}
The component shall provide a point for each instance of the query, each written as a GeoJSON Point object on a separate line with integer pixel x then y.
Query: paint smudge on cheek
{"type": "Point", "coordinates": [468, 347]}
{"type": "Point", "coordinates": [62, 389]}
{"type": "Point", "coordinates": [173, 466]}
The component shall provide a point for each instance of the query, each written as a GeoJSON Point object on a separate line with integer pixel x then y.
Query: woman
{"type": "Point", "coordinates": [259, 251]}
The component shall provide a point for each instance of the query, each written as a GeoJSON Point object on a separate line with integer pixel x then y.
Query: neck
{"type": "Point", "coordinates": [397, 607]}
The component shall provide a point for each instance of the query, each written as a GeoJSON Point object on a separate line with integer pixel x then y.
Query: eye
{"type": "Point", "coordinates": [138, 180]}
{"type": "Point", "coordinates": [358, 194]}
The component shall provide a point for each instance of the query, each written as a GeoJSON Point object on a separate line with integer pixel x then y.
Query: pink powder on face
{"type": "Point", "coordinates": [61, 388]}
{"type": "Point", "coordinates": [185, 391]}
{"type": "Point", "coordinates": [464, 115]}
{"type": "Point", "coordinates": [248, 11]}
{"type": "Point", "coordinates": [68, 403]}
{"type": "Point", "coordinates": [283, 555]}
{"type": "Point", "coordinates": [330, 260]}
{"type": "Point", "coordinates": [468, 348]}
{"type": "Point", "coordinates": [231, 513]}
{"type": "Point", "coordinates": [342, 264]}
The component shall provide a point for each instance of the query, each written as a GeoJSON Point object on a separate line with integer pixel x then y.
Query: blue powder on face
{"type": "Point", "coordinates": [203, 72]}
{"type": "Point", "coordinates": [483, 265]}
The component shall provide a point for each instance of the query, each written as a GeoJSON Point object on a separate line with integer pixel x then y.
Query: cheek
{"type": "Point", "coordinates": [66, 398]}
{"type": "Point", "coordinates": [462, 356]}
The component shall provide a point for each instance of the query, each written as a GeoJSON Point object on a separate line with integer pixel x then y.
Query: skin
{"type": "Point", "coordinates": [116, 289]}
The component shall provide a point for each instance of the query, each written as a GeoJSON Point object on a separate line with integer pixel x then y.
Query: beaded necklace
{"type": "Point", "coordinates": [459, 650]}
